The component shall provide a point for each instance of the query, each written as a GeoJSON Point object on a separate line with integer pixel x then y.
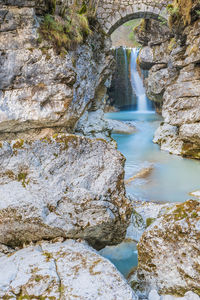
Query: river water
{"type": "Point", "coordinates": [170, 178]}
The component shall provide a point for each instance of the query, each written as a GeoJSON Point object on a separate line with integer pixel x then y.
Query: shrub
{"type": "Point", "coordinates": [66, 28]}
{"type": "Point", "coordinates": [180, 12]}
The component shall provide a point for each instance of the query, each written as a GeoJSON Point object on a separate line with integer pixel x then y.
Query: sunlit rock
{"type": "Point", "coordinates": [144, 214]}
{"type": "Point", "coordinates": [63, 185]}
{"type": "Point", "coordinates": [120, 127]}
{"type": "Point", "coordinates": [153, 295]}
{"type": "Point", "coordinates": [167, 137]}
{"type": "Point", "coordinates": [39, 87]}
{"type": "Point", "coordinates": [69, 270]}
{"type": "Point", "coordinates": [168, 252]}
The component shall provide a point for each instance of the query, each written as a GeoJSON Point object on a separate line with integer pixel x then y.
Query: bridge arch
{"type": "Point", "coordinates": [113, 13]}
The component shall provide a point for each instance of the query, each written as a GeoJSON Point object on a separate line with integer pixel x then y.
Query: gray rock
{"type": "Point", "coordinates": [146, 58]}
{"type": "Point", "coordinates": [63, 185]}
{"type": "Point", "coordinates": [174, 83]}
{"type": "Point", "coordinates": [38, 87]}
{"type": "Point", "coordinates": [153, 295]}
{"type": "Point", "coordinates": [144, 214]}
{"type": "Point", "coordinates": [190, 132]}
{"type": "Point", "coordinates": [93, 124]}
{"type": "Point", "coordinates": [188, 296]}
{"type": "Point", "coordinates": [168, 252]}
{"type": "Point", "coordinates": [167, 137]}
{"type": "Point", "coordinates": [69, 270]}
{"type": "Point", "coordinates": [120, 127]}
{"type": "Point", "coordinates": [155, 84]}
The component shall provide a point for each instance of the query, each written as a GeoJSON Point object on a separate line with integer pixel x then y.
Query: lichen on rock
{"type": "Point", "coordinates": [173, 81]}
{"type": "Point", "coordinates": [68, 270]}
{"type": "Point", "coordinates": [168, 252]}
{"type": "Point", "coordinates": [65, 185]}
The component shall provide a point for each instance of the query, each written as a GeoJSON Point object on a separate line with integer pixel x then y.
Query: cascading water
{"type": "Point", "coordinates": [137, 83]}
{"type": "Point", "coordinates": [127, 91]}
{"type": "Point", "coordinates": [126, 71]}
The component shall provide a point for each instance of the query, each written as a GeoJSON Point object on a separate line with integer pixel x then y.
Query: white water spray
{"type": "Point", "coordinates": [137, 83]}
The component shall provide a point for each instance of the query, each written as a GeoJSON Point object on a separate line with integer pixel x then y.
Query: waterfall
{"type": "Point", "coordinates": [137, 83]}
{"type": "Point", "coordinates": [126, 72]}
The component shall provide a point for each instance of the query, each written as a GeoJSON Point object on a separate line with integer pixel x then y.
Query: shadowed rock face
{"type": "Point", "coordinates": [168, 252]}
{"type": "Point", "coordinates": [66, 186]}
{"type": "Point", "coordinates": [68, 270]}
{"type": "Point", "coordinates": [174, 84]}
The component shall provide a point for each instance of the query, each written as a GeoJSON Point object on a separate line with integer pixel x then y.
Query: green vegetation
{"type": "Point", "coordinates": [149, 221]}
{"type": "Point", "coordinates": [171, 44]}
{"type": "Point", "coordinates": [132, 25]}
{"type": "Point", "coordinates": [66, 27]}
{"type": "Point", "coordinates": [181, 12]}
{"type": "Point", "coordinates": [22, 177]}
{"type": "Point", "coordinates": [48, 255]}
{"type": "Point", "coordinates": [19, 144]}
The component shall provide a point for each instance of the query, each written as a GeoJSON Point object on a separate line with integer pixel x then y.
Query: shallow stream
{"type": "Point", "coordinates": [171, 178]}
{"type": "Point", "coordinates": [162, 177]}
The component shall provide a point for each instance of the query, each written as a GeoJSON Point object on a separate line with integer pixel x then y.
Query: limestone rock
{"type": "Point", "coordinates": [144, 214]}
{"type": "Point", "coordinates": [66, 186]}
{"type": "Point", "coordinates": [155, 84]}
{"type": "Point", "coordinates": [190, 132]}
{"type": "Point", "coordinates": [168, 252]}
{"type": "Point", "coordinates": [120, 127]}
{"type": "Point", "coordinates": [153, 295]}
{"type": "Point", "coordinates": [93, 124]}
{"type": "Point", "coordinates": [38, 87]}
{"type": "Point", "coordinates": [173, 83]}
{"type": "Point", "coordinates": [146, 58]}
{"type": "Point", "coordinates": [151, 32]}
{"type": "Point", "coordinates": [69, 270]}
{"type": "Point", "coordinates": [186, 108]}
{"type": "Point", "coordinates": [167, 137]}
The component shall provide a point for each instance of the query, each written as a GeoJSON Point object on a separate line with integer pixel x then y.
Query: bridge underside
{"type": "Point", "coordinates": [112, 14]}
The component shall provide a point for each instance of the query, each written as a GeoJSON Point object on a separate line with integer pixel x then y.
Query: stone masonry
{"type": "Point", "coordinates": [113, 13]}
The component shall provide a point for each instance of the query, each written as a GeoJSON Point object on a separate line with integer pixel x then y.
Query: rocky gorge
{"type": "Point", "coordinates": [172, 58]}
{"type": "Point", "coordinates": [62, 188]}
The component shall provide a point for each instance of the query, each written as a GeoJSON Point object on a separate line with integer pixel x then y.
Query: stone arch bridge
{"type": "Point", "coordinates": [113, 13]}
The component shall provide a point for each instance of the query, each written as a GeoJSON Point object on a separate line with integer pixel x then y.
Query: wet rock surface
{"type": "Point", "coordinates": [68, 270]}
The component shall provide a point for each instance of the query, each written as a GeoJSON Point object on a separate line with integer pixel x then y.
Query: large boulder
{"type": "Point", "coordinates": [63, 185]}
{"type": "Point", "coordinates": [168, 252]}
{"type": "Point", "coordinates": [69, 270]}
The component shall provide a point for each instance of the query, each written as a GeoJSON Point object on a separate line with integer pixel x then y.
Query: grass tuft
{"type": "Point", "coordinates": [65, 28]}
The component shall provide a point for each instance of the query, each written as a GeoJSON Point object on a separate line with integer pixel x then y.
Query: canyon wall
{"type": "Point", "coordinates": [173, 60]}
